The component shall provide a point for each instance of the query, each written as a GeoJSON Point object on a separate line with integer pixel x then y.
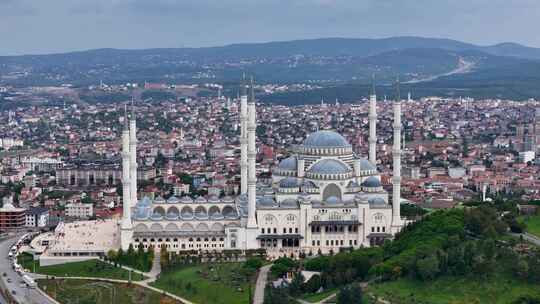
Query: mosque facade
{"type": "Point", "coordinates": [322, 198]}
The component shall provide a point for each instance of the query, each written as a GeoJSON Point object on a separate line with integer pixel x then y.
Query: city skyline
{"type": "Point", "coordinates": [135, 24]}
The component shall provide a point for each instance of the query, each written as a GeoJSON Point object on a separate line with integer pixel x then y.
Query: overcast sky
{"type": "Point", "coordinates": [45, 26]}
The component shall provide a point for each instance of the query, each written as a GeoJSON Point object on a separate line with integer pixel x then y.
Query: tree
{"type": "Point", "coordinates": [350, 295]}
{"type": "Point", "coordinates": [428, 267]}
{"type": "Point", "coordinates": [279, 270]}
{"type": "Point", "coordinates": [522, 269]}
{"type": "Point", "coordinates": [295, 288]}
{"type": "Point", "coordinates": [164, 258]}
{"type": "Point", "coordinates": [313, 284]}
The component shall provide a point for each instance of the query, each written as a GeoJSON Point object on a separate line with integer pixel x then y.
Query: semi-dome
{"type": "Point", "coordinates": [288, 163]}
{"type": "Point", "coordinates": [372, 182]}
{"type": "Point", "coordinates": [329, 166]}
{"type": "Point", "coordinates": [289, 182]}
{"type": "Point", "coordinates": [325, 139]}
{"type": "Point", "coordinates": [309, 184]}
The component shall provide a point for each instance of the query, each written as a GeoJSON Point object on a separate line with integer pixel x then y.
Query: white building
{"type": "Point", "coordinates": [323, 197]}
{"type": "Point", "coordinates": [526, 156]}
{"type": "Point", "coordinates": [79, 210]}
{"type": "Point", "coordinates": [37, 217]}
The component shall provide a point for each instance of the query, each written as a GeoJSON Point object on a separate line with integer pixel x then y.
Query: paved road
{"type": "Point", "coordinates": [22, 293]}
{"type": "Point", "coordinates": [258, 297]}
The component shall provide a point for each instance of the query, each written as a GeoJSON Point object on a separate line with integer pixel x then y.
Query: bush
{"type": "Point", "coordinates": [313, 284]}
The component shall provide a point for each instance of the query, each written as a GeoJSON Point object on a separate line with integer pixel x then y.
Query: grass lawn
{"type": "Point", "coordinates": [90, 268]}
{"type": "Point", "coordinates": [498, 289]}
{"type": "Point", "coordinates": [68, 291]}
{"type": "Point", "coordinates": [533, 224]}
{"type": "Point", "coordinates": [317, 297]}
{"type": "Point", "coordinates": [208, 283]}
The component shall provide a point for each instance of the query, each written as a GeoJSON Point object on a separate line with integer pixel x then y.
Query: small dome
{"type": "Point", "coordinates": [377, 201]}
{"type": "Point", "coordinates": [325, 139]}
{"type": "Point", "coordinates": [228, 199]}
{"type": "Point", "coordinates": [213, 199]}
{"type": "Point", "coordinates": [372, 182]}
{"type": "Point", "coordinates": [288, 163]}
{"type": "Point", "coordinates": [366, 165]}
{"type": "Point", "coordinates": [145, 202]}
{"type": "Point", "coordinates": [173, 200]}
{"type": "Point", "coordinates": [186, 200]}
{"type": "Point", "coordinates": [159, 200]}
{"type": "Point", "coordinates": [289, 182]}
{"type": "Point", "coordinates": [200, 200]}
{"type": "Point", "coordinates": [329, 166]}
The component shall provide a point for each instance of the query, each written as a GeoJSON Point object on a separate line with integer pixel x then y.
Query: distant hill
{"type": "Point", "coordinates": [429, 64]}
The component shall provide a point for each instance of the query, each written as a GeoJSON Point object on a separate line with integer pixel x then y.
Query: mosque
{"type": "Point", "coordinates": [322, 198]}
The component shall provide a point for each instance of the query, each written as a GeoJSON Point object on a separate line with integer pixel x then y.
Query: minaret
{"type": "Point", "coordinates": [373, 124]}
{"type": "Point", "coordinates": [243, 138]}
{"type": "Point", "coordinates": [252, 153]}
{"type": "Point", "coordinates": [133, 155]}
{"type": "Point", "coordinates": [126, 224]}
{"type": "Point", "coordinates": [396, 153]}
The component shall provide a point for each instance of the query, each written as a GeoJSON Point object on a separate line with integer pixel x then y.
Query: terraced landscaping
{"type": "Point", "coordinates": [70, 291]}
{"type": "Point", "coordinates": [91, 268]}
{"type": "Point", "coordinates": [208, 283]}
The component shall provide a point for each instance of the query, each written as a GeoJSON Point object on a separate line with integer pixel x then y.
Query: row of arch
{"type": "Point", "coordinates": [185, 227]}
{"type": "Point", "coordinates": [188, 200]}
{"type": "Point", "coordinates": [199, 212]}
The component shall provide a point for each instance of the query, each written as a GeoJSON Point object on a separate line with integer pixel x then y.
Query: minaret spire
{"type": "Point", "coordinates": [243, 137]}
{"type": "Point", "coordinates": [396, 154]}
{"type": "Point", "coordinates": [133, 154]}
{"type": "Point", "coordinates": [373, 124]}
{"type": "Point", "coordinates": [126, 224]}
{"type": "Point", "coordinates": [252, 153]}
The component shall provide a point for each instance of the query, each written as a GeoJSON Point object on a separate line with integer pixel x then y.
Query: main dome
{"type": "Point", "coordinates": [325, 139]}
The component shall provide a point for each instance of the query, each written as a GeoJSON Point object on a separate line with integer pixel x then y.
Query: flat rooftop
{"type": "Point", "coordinates": [80, 236]}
